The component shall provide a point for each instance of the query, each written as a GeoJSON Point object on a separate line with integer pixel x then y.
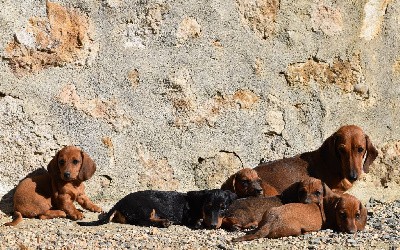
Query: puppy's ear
{"type": "Point", "coordinates": [229, 184]}
{"type": "Point", "coordinates": [231, 196]}
{"type": "Point", "coordinates": [372, 153]}
{"type": "Point", "coordinates": [360, 223]}
{"type": "Point", "coordinates": [291, 194]}
{"type": "Point", "coordinates": [327, 190]}
{"type": "Point", "coordinates": [88, 167]}
{"type": "Point", "coordinates": [52, 167]}
{"type": "Point", "coordinates": [329, 149]}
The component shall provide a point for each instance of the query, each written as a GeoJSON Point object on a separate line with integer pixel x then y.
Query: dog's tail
{"type": "Point", "coordinates": [17, 219]}
{"type": "Point", "coordinates": [104, 220]}
{"type": "Point", "coordinates": [260, 233]}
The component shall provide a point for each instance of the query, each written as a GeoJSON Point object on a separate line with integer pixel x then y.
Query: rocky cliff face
{"type": "Point", "coordinates": [178, 95]}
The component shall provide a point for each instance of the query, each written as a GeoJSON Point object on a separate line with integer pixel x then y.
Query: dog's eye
{"type": "Point", "coordinates": [360, 149]}
{"type": "Point", "coordinates": [342, 215]}
{"type": "Point", "coordinates": [75, 162]}
{"type": "Point", "coordinates": [317, 193]}
{"type": "Point", "coordinates": [61, 162]}
{"type": "Point", "coordinates": [358, 216]}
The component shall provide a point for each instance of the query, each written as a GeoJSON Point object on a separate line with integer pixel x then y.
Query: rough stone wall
{"type": "Point", "coordinates": [178, 95]}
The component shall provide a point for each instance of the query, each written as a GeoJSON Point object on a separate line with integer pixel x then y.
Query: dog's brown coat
{"type": "Point", "coordinates": [52, 194]}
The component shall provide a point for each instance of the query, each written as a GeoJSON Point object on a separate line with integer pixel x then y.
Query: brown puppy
{"type": "Point", "coordinates": [343, 213]}
{"type": "Point", "coordinates": [338, 162]}
{"type": "Point", "coordinates": [246, 183]}
{"type": "Point", "coordinates": [52, 194]}
{"type": "Point", "coordinates": [247, 213]}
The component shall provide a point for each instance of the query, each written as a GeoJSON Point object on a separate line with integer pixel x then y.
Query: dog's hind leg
{"type": "Point", "coordinates": [17, 219]}
{"type": "Point", "coordinates": [158, 221]}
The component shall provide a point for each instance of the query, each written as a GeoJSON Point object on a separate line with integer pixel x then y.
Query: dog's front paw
{"type": "Point", "coordinates": [95, 208]}
{"type": "Point", "coordinates": [76, 215]}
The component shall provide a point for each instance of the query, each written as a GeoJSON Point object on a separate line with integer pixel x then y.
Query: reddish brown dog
{"type": "Point", "coordinates": [246, 183]}
{"type": "Point", "coordinates": [247, 213]}
{"type": "Point", "coordinates": [343, 213]}
{"type": "Point", "coordinates": [338, 162]}
{"type": "Point", "coordinates": [51, 195]}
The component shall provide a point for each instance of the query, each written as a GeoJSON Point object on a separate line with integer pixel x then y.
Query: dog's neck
{"type": "Point", "coordinates": [325, 167]}
{"type": "Point", "coordinates": [329, 206]}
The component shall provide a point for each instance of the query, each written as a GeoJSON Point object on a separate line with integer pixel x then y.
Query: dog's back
{"type": "Point", "coordinates": [142, 207]}
{"type": "Point", "coordinates": [291, 219]}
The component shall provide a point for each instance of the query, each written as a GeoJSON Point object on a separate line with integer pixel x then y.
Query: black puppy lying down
{"type": "Point", "coordinates": [163, 208]}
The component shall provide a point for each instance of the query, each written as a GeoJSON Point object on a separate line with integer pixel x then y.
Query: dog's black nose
{"type": "Point", "coordinates": [259, 191]}
{"type": "Point", "coordinates": [67, 175]}
{"type": "Point", "coordinates": [353, 176]}
{"type": "Point", "coordinates": [213, 226]}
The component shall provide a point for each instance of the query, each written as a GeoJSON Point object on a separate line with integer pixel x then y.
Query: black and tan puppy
{"type": "Point", "coordinates": [247, 213]}
{"type": "Point", "coordinates": [163, 208]}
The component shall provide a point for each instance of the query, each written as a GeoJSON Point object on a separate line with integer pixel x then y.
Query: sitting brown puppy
{"type": "Point", "coordinates": [52, 194]}
{"type": "Point", "coordinates": [340, 161]}
{"type": "Point", "coordinates": [246, 183]}
{"type": "Point", "coordinates": [344, 213]}
{"type": "Point", "coordinates": [248, 212]}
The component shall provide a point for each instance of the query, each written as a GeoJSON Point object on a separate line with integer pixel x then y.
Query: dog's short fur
{"type": "Point", "coordinates": [163, 208]}
{"type": "Point", "coordinates": [52, 194]}
{"type": "Point", "coordinates": [247, 213]}
{"type": "Point", "coordinates": [343, 213]}
{"type": "Point", "coordinates": [340, 161]}
{"type": "Point", "coordinates": [246, 183]}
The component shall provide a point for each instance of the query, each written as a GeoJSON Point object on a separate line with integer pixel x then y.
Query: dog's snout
{"type": "Point", "coordinates": [67, 175]}
{"type": "Point", "coordinates": [259, 190]}
{"type": "Point", "coordinates": [213, 226]}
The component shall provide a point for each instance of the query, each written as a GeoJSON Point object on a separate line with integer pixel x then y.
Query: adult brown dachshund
{"type": "Point", "coordinates": [246, 182]}
{"type": "Point", "coordinates": [51, 195]}
{"type": "Point", "coordinates": [343, 213]}
{"type": "Point", "coordinates": [247, 213]}
{"type": "Point", "coordinates": [338, 162]}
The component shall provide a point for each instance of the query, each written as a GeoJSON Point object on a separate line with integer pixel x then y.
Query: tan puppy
{"type": "Point", "coordinates": [246, 183]}
{"type": "Point", "coordinates": [52, 194]}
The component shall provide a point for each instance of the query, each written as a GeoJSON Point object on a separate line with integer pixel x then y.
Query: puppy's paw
{"type": "Point", "coordinates": [76, 215]}
{"type": "Point", "coordinates": [95, 208]}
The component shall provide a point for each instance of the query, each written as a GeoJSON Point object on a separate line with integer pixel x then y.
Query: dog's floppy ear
{"type": "Point", "coordinates": [328, 147]}
{"type": "Point", "coordinates": [360, 223]}
{"type": "Point", "coordinates": [229, 184]}
{"type": "Point", "coordinates": [372, 153]}
{"type": "Point", "coordinates": [231, 196]}
{"type": "Point", "coordinates": [291, 194]}
{"type": "Point", "coordinates": [52, 167]}
{"type": "Point", "coordinates": [327, 190]}
{"type": "Point", "coordinates": [88, 167]}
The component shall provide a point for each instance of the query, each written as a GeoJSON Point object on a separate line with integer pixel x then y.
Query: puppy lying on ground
{"type": "Point", "coordinates": [340, 161]}
{"type": "Point", "coordinates": [248, 212]}
{"type": "Point", "coordinates": [163, 208]}
{"type": "Point", "coordinates": [52, 194]}
{"type": "Point", "coordinates": [344, 213]}
{"type": "Point", "coordinates": [246, 183]}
